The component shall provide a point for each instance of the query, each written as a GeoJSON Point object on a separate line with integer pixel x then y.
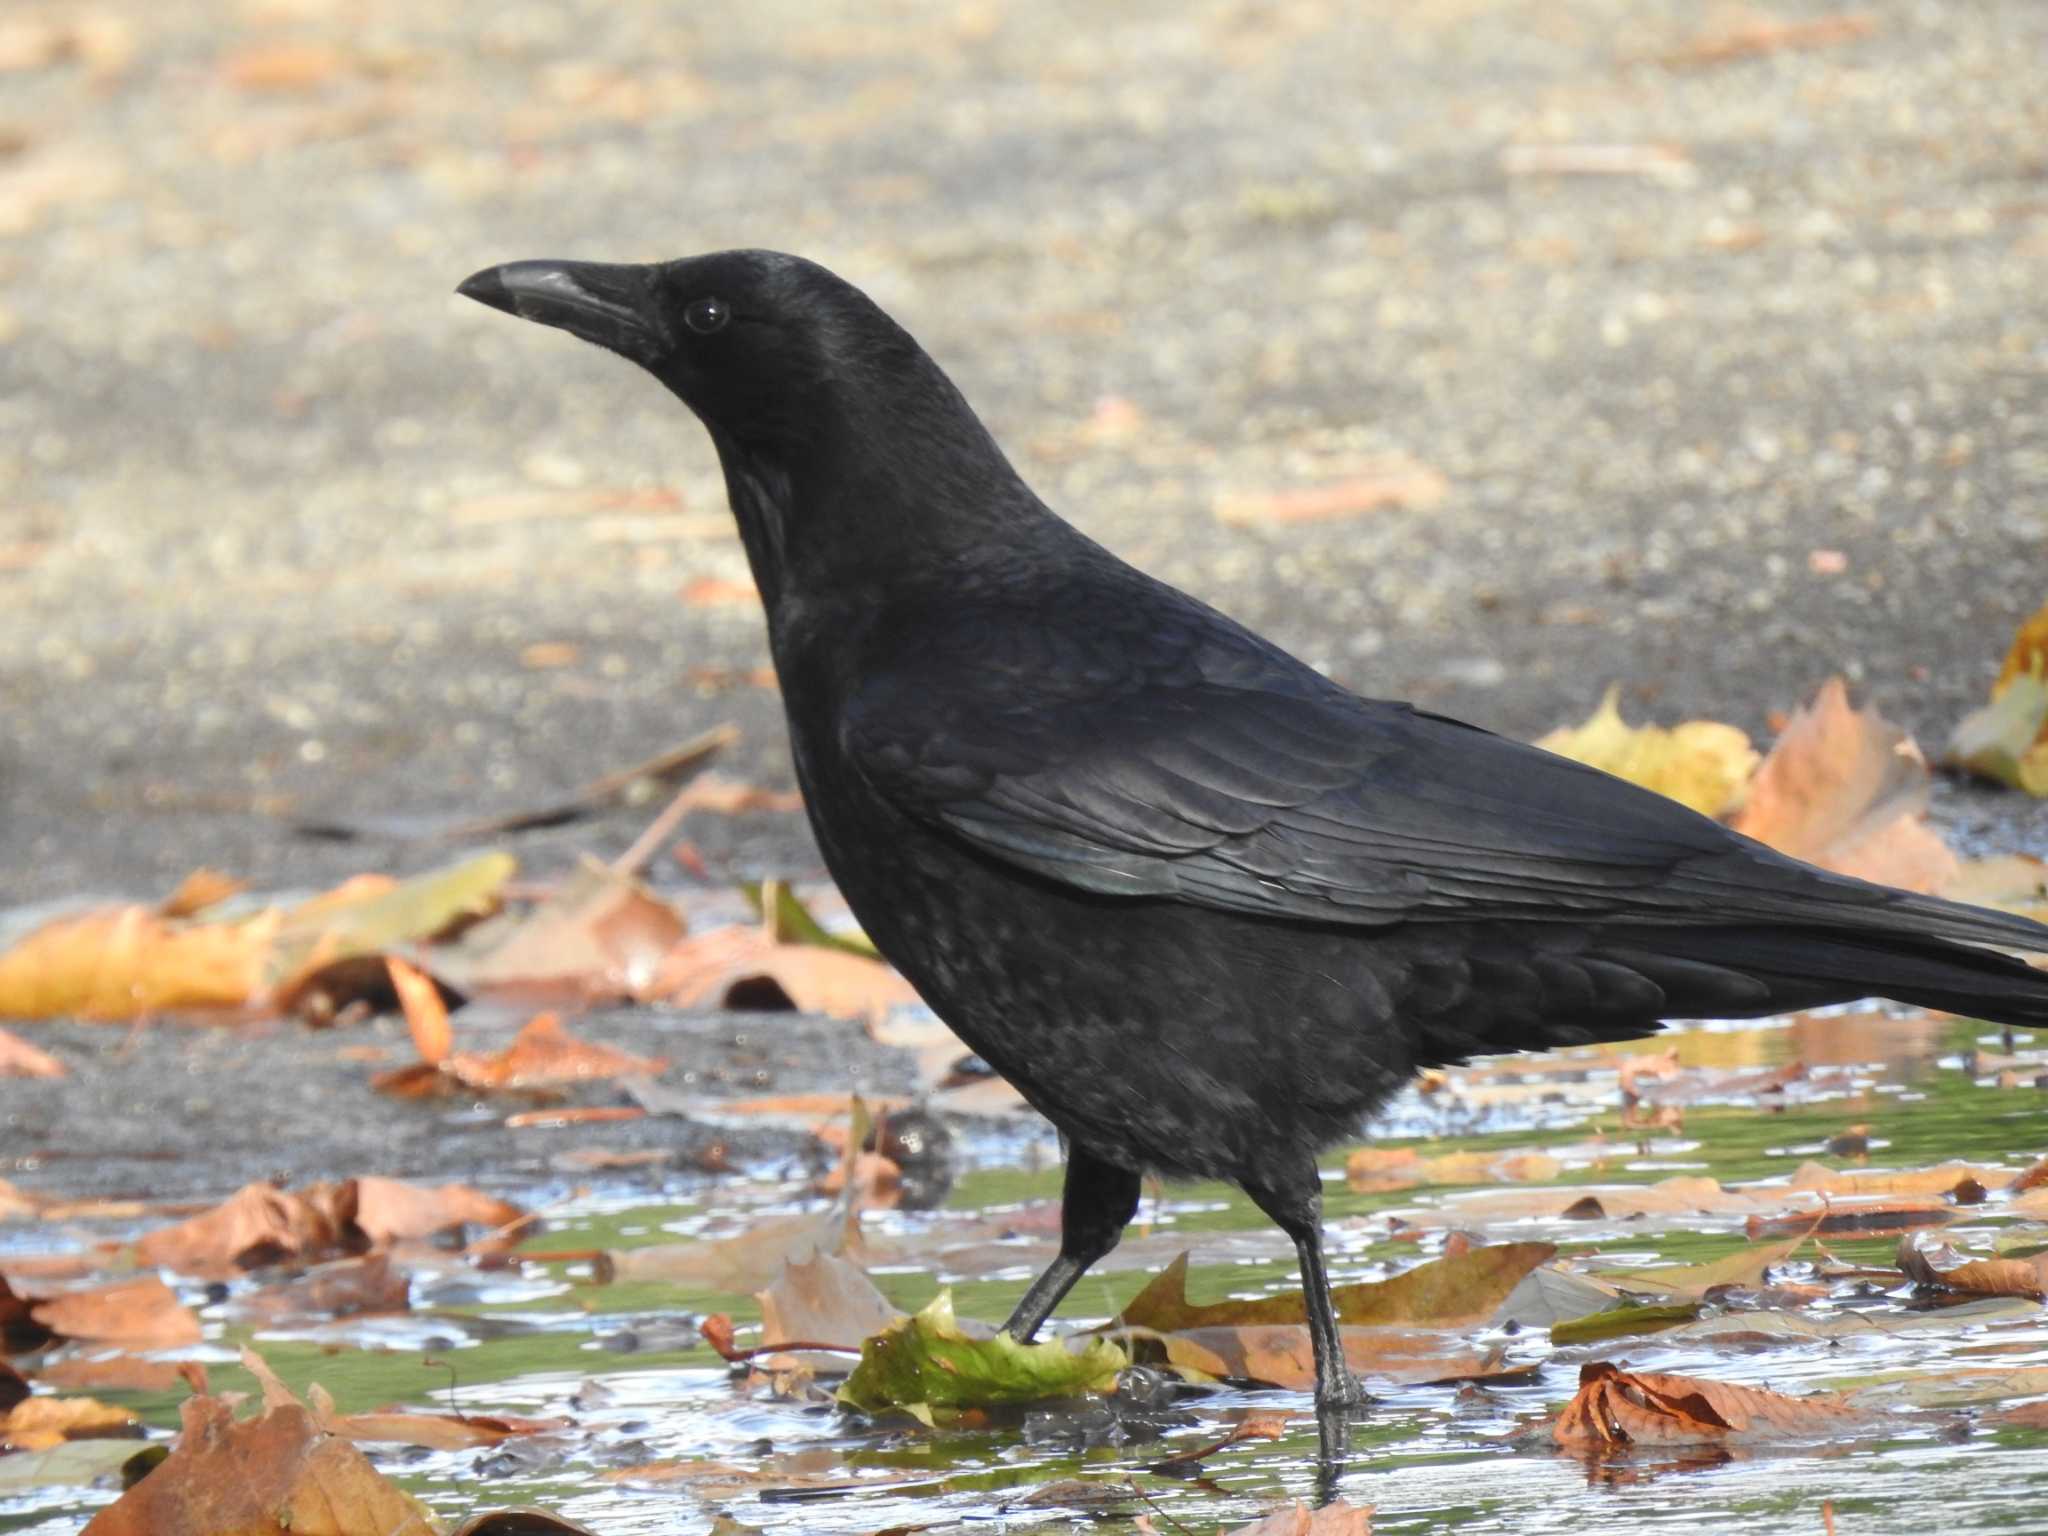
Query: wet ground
{"type": "Point", "coordinates": [655, 1434]}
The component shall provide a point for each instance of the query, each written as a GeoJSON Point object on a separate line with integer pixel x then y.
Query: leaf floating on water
{"type": "Point", "coordinates": [1378, 1170]}
{"type": "Point", "coordinates": [1616, 1408]}
{"type": "Point", "coordinates": [257, 1225]}
{"type": "Point", "coordinates": [1450, 1292]}
{"type": "Point", "coordinates": [928, 1362]}
{"type": "Point", "coordinates": [1337, 1518]}
{"type": "Point", "coordinates": [38, 1423]}
{"type": "Point", "coordinates": [1701, 763]}
{"type": "Point", "coordinates": [1745, 1267]}
{"type": "Point", "coordinates": [135, 1314]}
{"type": "Point", "coordinates": [823, 1299]}
{"type": "Point", "coordinates": [1281, 1355]}
{"type": "Point", "coordinates": [279, 1471]}
{"type": "Point", "coordinates": [1623, 1322]}
{"type": "Point", "coordinates": [2026, 1277]}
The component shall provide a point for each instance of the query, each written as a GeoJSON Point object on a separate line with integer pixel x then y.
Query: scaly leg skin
{"type": "Point", "coordinates": [1297, 1210]}
{"type": "Point", "coordinates": [1099, 1201]}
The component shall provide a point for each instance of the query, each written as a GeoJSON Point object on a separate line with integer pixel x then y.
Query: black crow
{"type": "Point", "coordinates": [1203, 906]}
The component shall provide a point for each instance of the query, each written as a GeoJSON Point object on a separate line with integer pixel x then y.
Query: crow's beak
{"type": "Point", "coordinates": [608, 305]}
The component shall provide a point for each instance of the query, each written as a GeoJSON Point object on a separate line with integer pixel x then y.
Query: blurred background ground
{"type": "Point", "coordinates": [1701, 349]}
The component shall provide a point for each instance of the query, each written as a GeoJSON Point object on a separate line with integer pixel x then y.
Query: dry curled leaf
{"type": "Point", "coordinates": [1847, 790]}
{"type": "Point", "coordinates": [1616, 1408]}
{"type": "Point", "coordinates": [2026, 1277]}
{"type": "Point", "coordinates": [280, 1471]}
{"type": "Point", "coordinates": [135, 1314]}
{"type": "Point", "coordinates": [257, 1225]}
{"type": "Point", "coordinates": [744, 967]}
{"type": "Point", "coordinates": [543, 1054]}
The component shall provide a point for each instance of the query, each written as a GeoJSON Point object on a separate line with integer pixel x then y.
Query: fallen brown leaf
{"type": "Point", "coordinates": [821, 1299]}
{"type": "Point", "coordinates": [108, 1373]}
{"type": "Point", "coordinates": [602, 935]}
{"type": "Point", "coordinates": [277, 1472]}
{"type": "Point", "coordinates": [434, 1431]}
{"type": "Point", "coordinates": [1337, 1518]}
{"type": "Point", "coordinates": [1281, 1355]}
{"type": "Point", "coordinates": [257, 1225]}
{"type": "Point", "coordinates": [367, 1286]}
{"type": "Point", "coordinates": [1942, 1179]}
{"type": "Point", "coordinates": [389, 1211]}
{"type": "Point", "coordinates": [731, 967]}
{"type": "Point", "coordinates": [1616, 1408]}
{"type": "Point", "coordinates": [1976, 1277]}
{"type": "Point", "coordinates": [1380, 1169]}
{"type": "Point", "coordinates": [1854, 1218]}
{"type": "Point", "coordinates": [1847, 790]}
{"type": "Point", "coordinates": [543, 1054]}
{"type": "Point", "coordinates": [426, 1016]}
{"type": "Point", "coordinates": [135, 1314]}
{"type": "Point", "coordinates": [1457, 1290]}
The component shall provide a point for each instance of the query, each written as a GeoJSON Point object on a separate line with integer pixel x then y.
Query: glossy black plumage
{"type": "Point", "coordinates": [1203, 906]}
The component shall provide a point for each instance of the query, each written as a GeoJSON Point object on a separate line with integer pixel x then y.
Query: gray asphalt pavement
{"type": "Point", "coordinates": [1730, 347]}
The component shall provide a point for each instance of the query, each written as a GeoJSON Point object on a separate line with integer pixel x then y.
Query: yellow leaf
{"type": "Point", "coordinates": [1700, 763]}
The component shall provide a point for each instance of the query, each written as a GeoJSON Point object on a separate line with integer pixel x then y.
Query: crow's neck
{"type": "Point", "coordinates": [879, 499]}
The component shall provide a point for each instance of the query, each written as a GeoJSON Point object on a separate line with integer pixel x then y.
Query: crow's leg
{"type": "Point", "coordinates": [1098, 1204]}
{"type": "Point", "coordinates": [1297, 1209]}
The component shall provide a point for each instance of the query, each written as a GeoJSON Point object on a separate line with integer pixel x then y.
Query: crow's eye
{"type": "Point", "coordinates": [707, 315]}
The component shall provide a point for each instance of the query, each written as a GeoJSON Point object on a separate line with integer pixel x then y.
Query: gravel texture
{"type": "Point", "coordinates": [287, 529]}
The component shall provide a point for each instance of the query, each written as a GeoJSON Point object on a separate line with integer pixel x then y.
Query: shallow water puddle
{"type": "Point", "coordinates": [1830, 1136]}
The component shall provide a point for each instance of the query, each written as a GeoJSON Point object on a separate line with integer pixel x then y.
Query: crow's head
{"type": "Point", "coordinates": [849, 456]}
{"type": "Point", "coordinates": [761, 345]}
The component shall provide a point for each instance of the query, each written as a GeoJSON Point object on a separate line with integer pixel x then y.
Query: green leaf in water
{"type": "Point", "coordinates": [1620, 1322]}
{"type": "Point", "coordinates": [927, 1361]}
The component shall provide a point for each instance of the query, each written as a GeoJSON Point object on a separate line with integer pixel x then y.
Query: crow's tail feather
{"type": "Point", "coordinates": [1751, 972]}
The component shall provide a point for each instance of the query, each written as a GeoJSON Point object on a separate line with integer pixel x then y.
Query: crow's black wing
{"type": "Point", "coordinates": [1176, 756]}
